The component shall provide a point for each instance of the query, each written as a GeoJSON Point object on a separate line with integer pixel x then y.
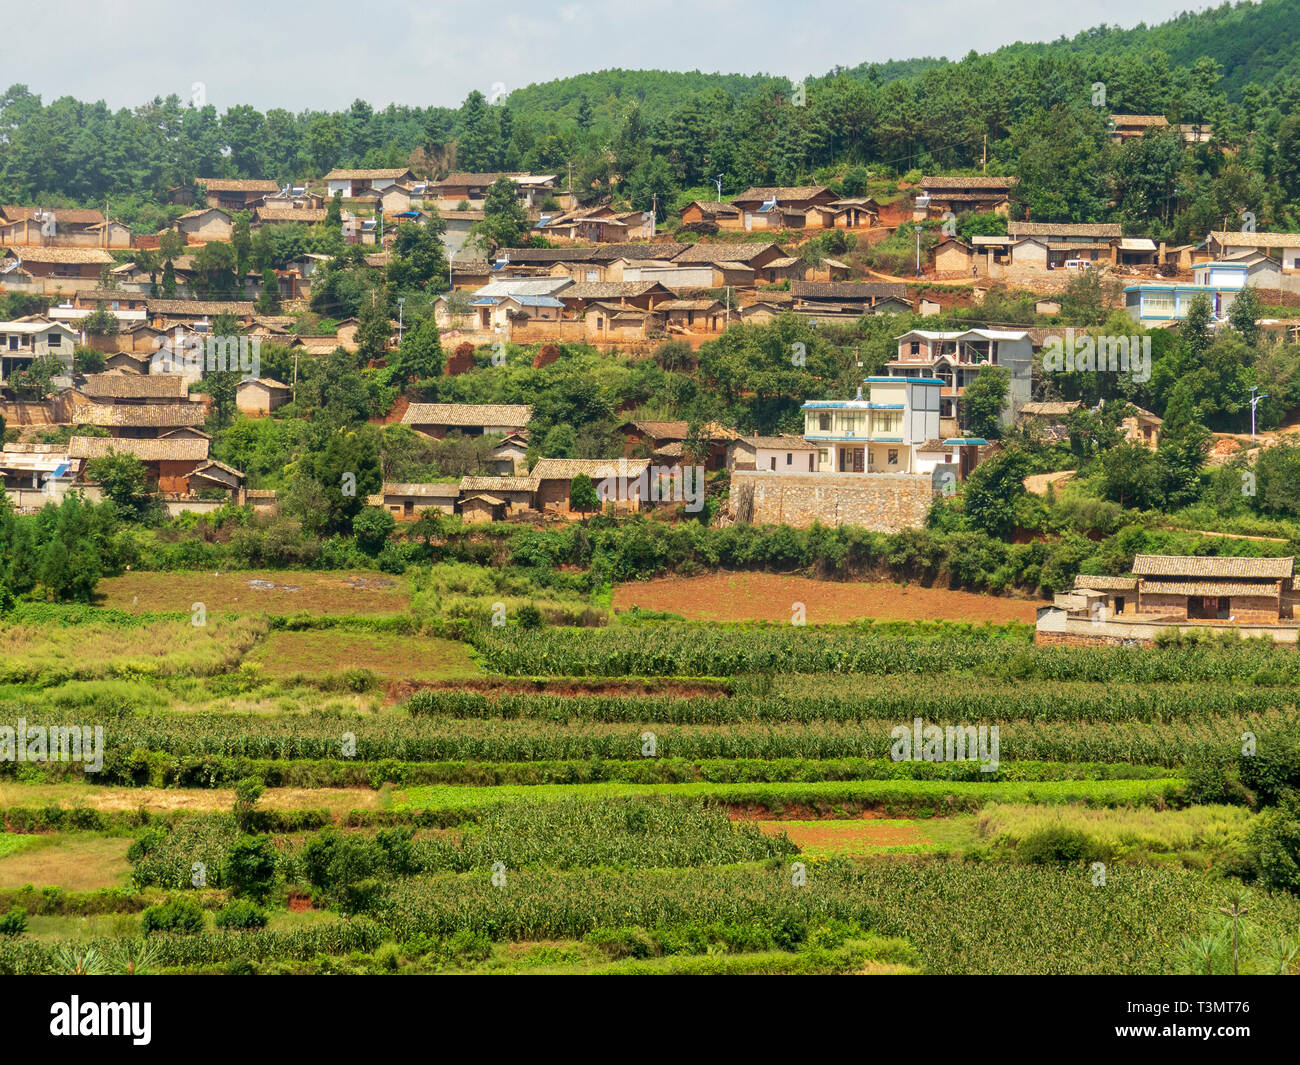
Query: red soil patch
{"type": "Point", "coordinates": [846, 834]}
{"type": "Point", "coordinates": [771, 597]}
{"type": "Point", "coordinates": [299, 903]}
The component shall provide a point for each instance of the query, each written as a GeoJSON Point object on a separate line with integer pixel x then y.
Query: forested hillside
{"type": "Point", "coordinates": [653, 135]}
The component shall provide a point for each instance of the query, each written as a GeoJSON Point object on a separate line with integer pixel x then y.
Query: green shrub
{"type": "Point", "coordinates": [182, 916]}
{"type": "Point", "coordinates": [1274, 842]}
{"type": "Point", "coordinates": [622, 942]}
{"type": "Point", "coordinates": [1057, 844]}
{"type": "Point", "coordinates": [240, 916]}
{"type": "Point", "coordinates": [13, 923]}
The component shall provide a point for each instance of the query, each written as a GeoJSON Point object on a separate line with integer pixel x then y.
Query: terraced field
{"type": "Point", "coordinates": [395, 795]}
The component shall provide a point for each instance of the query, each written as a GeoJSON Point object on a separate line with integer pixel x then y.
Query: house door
{"type": "Point", "coordinates": [852, 460]}
{"type": "Point", "coordinates": [1225, 608]}
{"type": "Point", "coordinates": [1119, 604]}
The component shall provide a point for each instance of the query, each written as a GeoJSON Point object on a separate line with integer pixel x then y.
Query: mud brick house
{"type": "Point", "coordinates": [722, 215]}
{"type": "Point", "coordinates": [205, 224]}
{"type": "Point", "coordinates": [60, 227]}
{"type": "Point", "coordinates": [695, 316]}
{"type": "Point", "coordinates": [510, 457]}
{"type": "Point", "coordinates": [55, 269]}
{"type": "Point", "coordinates": [752, 254]}
{"type": "Point", "coordinates": [307, 216]}
{"type": "Point", "coordinates": [657, 439]}
{"type": "Point", "coordinates": [131, 405]}
{"type": "Point", "coordinates": [622, 483]}
{"type": "Point", "coordinates": [780, 207]}
{"type": "Point", "coordinates": [236, 194]}
{"type": "Point", "coordinates": [978, 194]}
{"type": "Point", "coordinates": [472, 188]}
{"type": "Point", "coordinates": [514, 495]}
{"type": "Point", "coordinates": [852, 297]}
{"type": "Point", "coordinates": [1285, 247]}
{"type": "Point", "coordinates": [469, 419]}
{"type": "Point", "coordinates": [643, 295]}
{"type": "Point", "coordinates": [261, 395]}
{"type": "Point", "coordinates": [1068, 241]}
{"type": "Point", "coordinates": [352, 183]}
{"type": "Point", "coordinates": [164, 314]}
{"type": "Point", "coordinates": [170, 462]}
{"type": "Point", "coordinates": [405, 501]}
{"type": "Point", "coordinates": [1223, 589]}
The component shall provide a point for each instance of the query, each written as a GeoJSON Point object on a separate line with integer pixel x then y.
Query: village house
{"type": "Point", "coordinates": [405, 502]}
{"type": "Point", "coordinates": [165, 314]}
{"type": "Point", "coordinates": [510, 457]}
{"type": "Point", "coordinates": [459, 188]}
{"type": "Point", "coordinates": [23, 342]}
{"type": "Point", "coordinates": [778, 454]}
{"type": "Point", "coordinates": [352, 183]}
{"type": "Point", "coordinates": [508, 496]}
{"type": "Point", "coordinates": [205, 224]}
{"type": "Point", "coordinates": [1069, 242]}
{"type": "Point", "coordinates": [1125, 127]}
{"type": "Point", "coordinates": [644, 295]}
{"type": "Point", "coordinates": [706, 213]}
{"type": "Point", "coordinates": [1165, 302]}
{"type": "Point", "coordinates": [177, 464]}
{"type": "Point", "coordinates": [35, 474]}
{"type": "Point", "coordinates": [828, 300]}
{"type": "Point", "coordinates": [625, 483]}
{"type": "Point", "coordinates": [261, 395]}
{"type": "Point", "coordinates": [235, 194]}
{"type": "Point", "coordinates": [694, 316]}
{"type": "Point", "coordinates": [876, 434]}
{"type": "Point", "coordinates": [1252, 597]}
{"type": "Point", "coordinates": [306, 216]}
{"type": "Point", "coordinates": [956, 358]}
{"type": "Point", "coordinates": [978, 194]}
{"type": "Point", "coordinates": [780, 207]}
{"type": "Point", "coordinates": [53, 270]}
{"type": "Point", "coordinates": [62, 227]}
{"type": "Point", "coordinates": [437, 420]}
{"type": "Point", "coordinates": [664, 440]}
{"type": "Point", "coordinates": [1285, 247]}
{"type": "Point", "coordinates": [131, 405]}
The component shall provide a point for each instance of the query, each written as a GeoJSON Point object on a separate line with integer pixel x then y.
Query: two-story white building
{"type": "Point", "coordinates": [879, 434]}
{"type": "Point", "coordinates": [957, 358]}
{"type": "Point", "coordinates": [22, 343]}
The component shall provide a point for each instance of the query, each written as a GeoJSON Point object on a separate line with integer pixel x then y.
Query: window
{"type": "Point", "coordinates": [824, 423]}
{"type": "Point", "coordinates": [849, 422]}
{"type": "Point", "coordinates": [916, 347]}
{"type": "Point", "coordinates": [893, 456]}
{"type": "Point", "coordinates": [772, 460]}
{"type": "Point", "coordinates": [789, 457]}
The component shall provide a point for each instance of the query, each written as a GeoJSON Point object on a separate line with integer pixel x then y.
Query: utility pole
{"type": "Point", "coordinates": [718, 181]}
{"type": "Point", "coordinates": [918, 249]}
{"type": "Point", "coordinates": [1254, 402]}
{"type": "Point", "coordinates": [295, 377]}
{"type": "Point", "coordinates": [400, 301]}
{"type": "Point", "coordinates": [985, 163]}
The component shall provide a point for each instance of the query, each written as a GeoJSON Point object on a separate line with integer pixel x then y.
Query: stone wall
{"type": "Point", "coordinates": [881, 502]}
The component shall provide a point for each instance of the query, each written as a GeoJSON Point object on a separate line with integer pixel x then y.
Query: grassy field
{"type": "Point", "coordinates": [311, 655]}
{"type": "Point", "coordinates": [257, 592]}
{"type": "Point", "coordinates": [73, 862]}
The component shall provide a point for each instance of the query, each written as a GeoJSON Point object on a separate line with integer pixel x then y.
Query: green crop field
{"type": "Point", "coordinates": [371, 794]}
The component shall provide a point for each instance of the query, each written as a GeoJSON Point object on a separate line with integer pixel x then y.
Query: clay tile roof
{"type": "Point", "coordinates": [1139, 120]}
{"type": "Point", "coordinates": [176, 449]}
{"type": "Point", "coordinates": [113, 384]}
{"type": "Point", "coordinates": [847, 290]}
{"type": "Point", "coordinates": [715, 253]}
{"type": "Point", "coordinates": [781, 192]}
{"type": "Point", "coordinates": [366, 175]}
{"type": "Point", "coordinates": [63, 255]}
{"type": "Point", "coordinates": [139, 415]}
{"type": "Point", "coordinates": [635, 251]}
{"type": "Point", "coordinates": [1228, 238]}
{"type": "Point", "coordinates": [1051, 409]}
{"type": "Point", "coordinates": [1204, 587]}
{"type": "Point", "coordinates": [1105, 584]}
{"type": "Point", "coordinates": [429, 490]}
{"type": "Point", "coordinates": [1068, 229]}
{"type": "Point", "coordinates": [596, 469]}
{"type": "Point", "coordinates": [1212, 566]}
{"type": "Point", "coordinates": [74, 216]}
{"type": "Point", "coordinates": [238, 184]}
{"type": "Point", "coordinates": [499, 484]}
{"type": "Point", "coordinates": [239, 308]}
{"type": "Point", "coordinates": [975, 182]}
{"type": "Point", "coordinates": [780, 443]}
{"type": "Point", "coordinates": [488, 415]}
{"type": "Point", "coordinates": [600, 290]}
{"type": "Point", "coordinates": [290, 214]}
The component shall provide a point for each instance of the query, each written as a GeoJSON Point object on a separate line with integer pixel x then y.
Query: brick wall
{"type": "Point", "coordinates": [881, 502]}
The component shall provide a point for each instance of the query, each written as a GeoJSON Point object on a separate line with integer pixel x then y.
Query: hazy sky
{"type": "Point", "coordinates": [327, 53]}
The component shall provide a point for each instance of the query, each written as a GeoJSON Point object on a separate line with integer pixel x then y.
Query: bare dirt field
{"type": "Point", "coordinates": [73, 863]}
{"type": "Point", "coordinates": [771, 597]}
{"type": "Point", "coordinates": [199, 800]}
{"type": "Point", "coordinates": [258, 592]}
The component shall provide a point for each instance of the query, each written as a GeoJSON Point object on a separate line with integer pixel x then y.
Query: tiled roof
{"type": "Point", "coordinates": [1105, 584]}
{"type": "Point", "coordinates": [636, 250]}
{"type": "Point", "coordinates": [1229, 238]}
{"type": "Point", "coordinates": [601, 290]}
{"type": "Point", "coordinates": [567, 469]}
{"type": "Point", "coordinates": [468, 414]}
{"type": "Point", "coordinates": [113, 384]}
{"type": "Point", "coordinates": [714, 253]}
{"type": "Point", "coordinates": [211, 308]}
{"type": "Point", "coordinates": [76, 216]}
{"type": "Point", "coordinates": [1066, 229]}
{"type": "Point", "coordinates": [140, 415]}
{"type": "Point", "coordinates": [290, 214]}
{"type": "Point", "coordinates": [1204, 587]}
{"type": "Point", "coordinates": [1210, 566]}
{"type": "Point", "coordinates": [176, 449]}
{"type": "Point", "coordinates": [781, 192]}
{"type": "Point", "coordinates": [779, 443]}
{"type": "Point", "coordinates": [973, 182]}
{"type": "Point", "coordinates": [499, 484]}
{"type": "Point", "coordinates": [238, 184]}
{"type": "Point", "coordinates": [63, 255]}
{"type": "Point", "coordinates": [847, 290]}
{"type": "Point", "coordinates": [365, 175]}
{"type": "Point", "coordinates": [1051, 409]}
{"type": "Point", "coordinates": [1139, 120]}
{"type": "Point", "coordinates": [430, 490]}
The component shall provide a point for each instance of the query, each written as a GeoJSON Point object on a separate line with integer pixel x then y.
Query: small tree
{"type": "Point", "coordinates": [984, 400]}
{"type": "Point", "coordinates": [582, 495]}
{"type": "Point", "coordinates": [100, 323]}
{"type": "Point", "coordinates": [125, 481]}
{"type": "Point", "coordinates": [250, 867]}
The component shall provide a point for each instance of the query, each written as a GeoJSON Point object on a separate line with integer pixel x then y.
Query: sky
{"type": "Point", "coordinates": [324, 55]}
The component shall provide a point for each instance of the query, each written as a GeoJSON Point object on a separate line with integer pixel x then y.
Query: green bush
{"type": "Point", "coordinates": [13, 923]}
{"type": "Point", "coordinates": [182, 916]}
{"type": "Point", "coordinates": [240, 915]}
{"type": "Point", "coordinates": [1274, 842]}
{"type": "Point", "coordinates": [1057, 844]}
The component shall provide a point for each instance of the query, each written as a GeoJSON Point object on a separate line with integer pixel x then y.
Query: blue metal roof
{"type": "Point", "coordinates": [912, 380]}
{"type": "Point", "coordinates": [964, 440]}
